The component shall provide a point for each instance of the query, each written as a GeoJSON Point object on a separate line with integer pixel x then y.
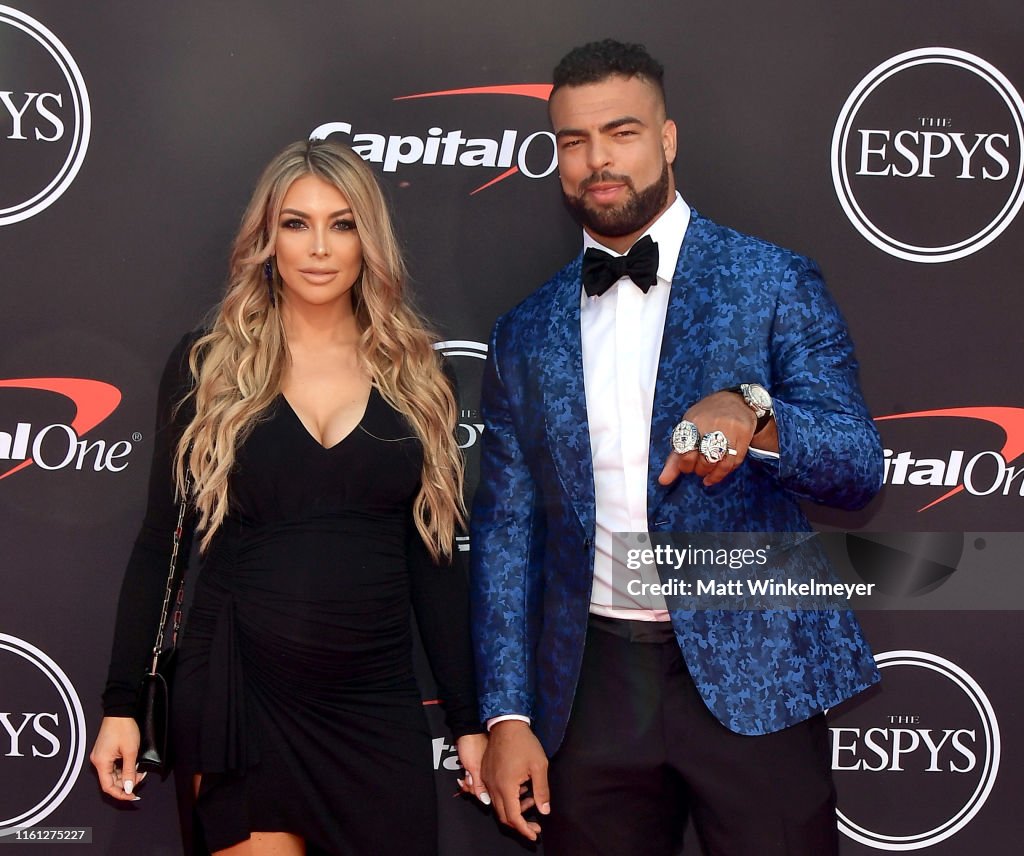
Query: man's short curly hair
{"type": "Point", "coordinates": [597, 61]}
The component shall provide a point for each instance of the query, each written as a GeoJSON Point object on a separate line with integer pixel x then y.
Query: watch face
{"type": "Point", "coordinates": [757, 398]}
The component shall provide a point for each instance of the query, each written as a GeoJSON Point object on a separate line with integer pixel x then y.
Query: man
{"type": "Point", "coordinates": [649, 715]}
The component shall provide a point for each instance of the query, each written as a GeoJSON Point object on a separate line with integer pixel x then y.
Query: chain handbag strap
{"type": "Point", "coordinates": [169, 594]}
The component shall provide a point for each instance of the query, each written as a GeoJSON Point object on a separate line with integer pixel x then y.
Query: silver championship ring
{"type": "Point", "coordinates": [714, 446]}
{"type": "Point", "coordinates": [685, 437]}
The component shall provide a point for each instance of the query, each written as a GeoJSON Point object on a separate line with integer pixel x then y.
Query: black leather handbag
{"type": "Point", "coordinates": [153, 713]}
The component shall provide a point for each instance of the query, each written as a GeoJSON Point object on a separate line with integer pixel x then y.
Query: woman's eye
{"type": "Point", "coordinates": [344, 225]}
{"type": "Point", "coordinates": [293, 224]}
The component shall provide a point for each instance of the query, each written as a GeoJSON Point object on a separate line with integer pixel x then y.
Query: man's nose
{"type": "Point", "coordinates": [598, 155]}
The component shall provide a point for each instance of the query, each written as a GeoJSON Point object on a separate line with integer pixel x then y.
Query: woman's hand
{"type": "Point", "coordinates": [471, 752]}
{"type": "Point", "coordinates": [114, 755]}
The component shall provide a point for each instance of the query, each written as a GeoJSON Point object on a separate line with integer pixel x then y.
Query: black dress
{"type": "Point", "coordinates": [294, 695]}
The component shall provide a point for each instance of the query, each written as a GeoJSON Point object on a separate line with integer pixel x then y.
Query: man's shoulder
{"type": "Point", "coordinates": [536, 307]}
{"type": "Point", "coordinates": [740, 248]}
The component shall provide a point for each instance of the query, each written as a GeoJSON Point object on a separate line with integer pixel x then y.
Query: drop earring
{"type": "Point", "coordinates": [268, 275]}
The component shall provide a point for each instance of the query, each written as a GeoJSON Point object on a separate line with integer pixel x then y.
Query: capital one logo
{"type": "Point", "coordinates": [42, 734]}
{"type": "Point", "coordinates": [59, 446]}
{"type": "Point", "coordinates": [979, 473]}
{"type": "Point", "coordinates": [533, 155]}
{"type": "Point", "coordinates": [931, 130]}
{"type": "Point", "coordinates": [446, 755]}
{"type": "Point", "coordinates": [467, 357]}
{"type": "Point", "coordinates": [45, 118]}
{"type": "Point", "coordinates": [916, 762]}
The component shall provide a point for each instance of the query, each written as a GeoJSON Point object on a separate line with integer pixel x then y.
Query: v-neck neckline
{"type": "Point", "coordinates": [309, 434]}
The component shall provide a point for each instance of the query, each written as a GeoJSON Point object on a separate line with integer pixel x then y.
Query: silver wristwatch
{"type": "Point", "coordinates": [758, 399]}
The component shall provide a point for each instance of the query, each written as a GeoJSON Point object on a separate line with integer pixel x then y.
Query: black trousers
{"type": "Point", "coordinates": [643, 754]}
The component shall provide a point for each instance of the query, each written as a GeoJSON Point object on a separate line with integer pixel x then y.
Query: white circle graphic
{"type": "Point", "coordinates": [840, 138]}
{"type": "Point", "coordinates": [76, 723]}
{"type": "Point", "coordinates": [82, 117]}
{"type": "Point", "coordinates": [990, 763]}
{"type": "Point", "coordinates": [462, 348]}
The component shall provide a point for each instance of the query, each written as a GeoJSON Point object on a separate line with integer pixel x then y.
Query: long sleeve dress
{"type": "Point", "coordinates": [294, 695]}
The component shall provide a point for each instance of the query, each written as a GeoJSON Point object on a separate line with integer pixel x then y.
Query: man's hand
{"type": "Point", "coordinates": [728, 413]}
{"type": "Point", "coordinates": [514, 757]}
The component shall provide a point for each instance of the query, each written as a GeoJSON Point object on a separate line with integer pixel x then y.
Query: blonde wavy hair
{"type": "Point", "coordinates": [238, 364]}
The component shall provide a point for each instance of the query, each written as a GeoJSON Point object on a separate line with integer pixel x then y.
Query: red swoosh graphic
{"type": "Point", "coordinates": [94, 401]}
{"type": "Point", "coordinates": [540, 91]}
{"type": "Point", "coordinates": [502, 177]}
{"type": "Point", "coordinates": [1010, 419]}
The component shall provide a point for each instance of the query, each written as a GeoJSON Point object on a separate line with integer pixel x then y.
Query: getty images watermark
{"type": "Point", "coordinates": [819, 570]}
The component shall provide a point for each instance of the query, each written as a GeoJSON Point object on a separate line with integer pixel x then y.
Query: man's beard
{"type": "Point", "coordinates": [633, 215]}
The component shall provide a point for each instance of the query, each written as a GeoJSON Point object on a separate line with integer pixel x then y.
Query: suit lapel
{"type": "Point", "coordinates": [684, 348]}
{"type": "Point", "coordinates": [681, 369]}
{"type": "Point", "coordinates": [565, 400]}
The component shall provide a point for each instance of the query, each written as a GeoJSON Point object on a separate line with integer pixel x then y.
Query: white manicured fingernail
{"type": "Point", "coordinates": [461, 783]}
{"type": "Point", "coordinates": [469, 779]}
{"type": "Point", "coordinates": [485, 798]}
{"type": "Point", "coordinates": [136, 799]}
{"type": "Point", "coordinates": [128, 785]}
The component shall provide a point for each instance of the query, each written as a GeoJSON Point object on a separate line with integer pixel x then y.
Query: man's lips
{"type": "Point", "coordinates": [604, 191]}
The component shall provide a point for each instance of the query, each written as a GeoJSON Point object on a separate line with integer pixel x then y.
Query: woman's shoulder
{"type": "Point", "coordinates": [182, 349]}
{"type": "Point", "coordinates": [184, 345]}
{"type": "Point", "coordinates": [176, 380]}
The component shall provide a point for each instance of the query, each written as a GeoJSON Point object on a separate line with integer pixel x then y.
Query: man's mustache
{"type": "Point", "coordinates": [602, 177]}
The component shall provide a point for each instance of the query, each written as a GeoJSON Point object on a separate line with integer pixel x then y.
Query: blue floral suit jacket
{"type": "Point", "coordinates": [741, 310]}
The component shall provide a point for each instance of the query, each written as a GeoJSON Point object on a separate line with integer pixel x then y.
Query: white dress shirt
{"type": "Point", "coordinates": [621, 332]}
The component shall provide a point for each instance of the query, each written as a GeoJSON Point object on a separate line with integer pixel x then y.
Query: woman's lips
{"type": "Point", "coordinates": [318, 274]}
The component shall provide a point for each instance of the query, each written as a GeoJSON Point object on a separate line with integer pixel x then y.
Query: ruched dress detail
{"type": "Point", "coordinates": [295, 697]}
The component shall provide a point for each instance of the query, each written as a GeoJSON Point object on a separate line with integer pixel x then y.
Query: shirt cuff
{"type": "Point", "coordinates": [494, 720]}
{"type": "Point", "coordinates": [763, 454]}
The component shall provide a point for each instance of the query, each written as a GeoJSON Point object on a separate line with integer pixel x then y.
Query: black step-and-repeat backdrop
{"type": "Point", "coordinates": [883, 139]}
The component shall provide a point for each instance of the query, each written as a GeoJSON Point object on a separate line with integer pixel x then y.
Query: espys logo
{"type": "Point", "coordinates": [914, 763]}
{"type": "Point", "coordinates": [42, 734]}
{"type": "Point", "coordinates": [467, 359]}
{"type": "Point", "coordinates": [981, 473]}
{"type": "Point", "coordinates": [45, 119]}
{"type": "Point", "coordinates": [931, 130]}
{"type": "Point", "coordinates": [535, 155]}
{"type": "Point", "coordinates": [59, 446]}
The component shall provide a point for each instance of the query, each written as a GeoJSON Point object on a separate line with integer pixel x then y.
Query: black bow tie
{"type": "Point", "coordinates": [602, 270]}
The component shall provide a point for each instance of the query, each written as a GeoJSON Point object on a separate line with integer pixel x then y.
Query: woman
{"type": "Point", "coordinates": [316, 425]}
